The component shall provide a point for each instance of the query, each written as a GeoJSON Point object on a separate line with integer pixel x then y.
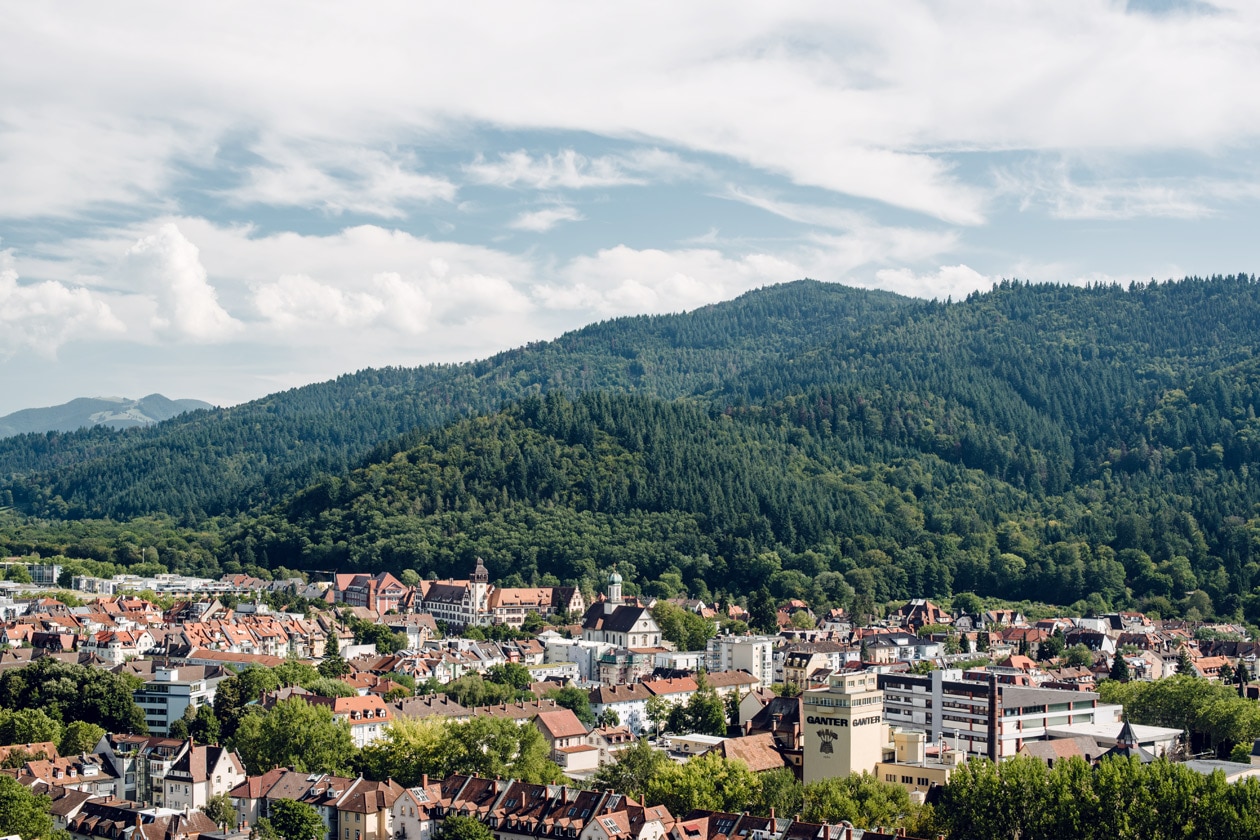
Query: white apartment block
{"type": "Point", "coordinates": [754, 654]}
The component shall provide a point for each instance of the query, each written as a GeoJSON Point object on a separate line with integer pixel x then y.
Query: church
{"type": "Point", "coordinates": [615, 622]}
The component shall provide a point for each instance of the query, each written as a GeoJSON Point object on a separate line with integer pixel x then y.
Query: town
{"type": "Point", "coordinates": [238, 709]}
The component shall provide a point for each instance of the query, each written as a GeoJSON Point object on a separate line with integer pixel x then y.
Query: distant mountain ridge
{"type": "Point", "coordinates": [85, 412]}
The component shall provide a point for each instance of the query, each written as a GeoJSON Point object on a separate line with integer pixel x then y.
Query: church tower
{"type": "Point", "coordinates": [479, 592]}
{"type": "Point", "coordinates": [614, 592]}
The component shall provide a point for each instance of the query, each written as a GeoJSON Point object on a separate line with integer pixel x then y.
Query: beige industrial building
{"type": "Point", "coordinates": [844, 730]}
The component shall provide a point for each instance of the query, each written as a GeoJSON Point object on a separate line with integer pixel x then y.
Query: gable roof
{"type": "Point", "coordinates": [621, 620]}
{"type": "Point", "coordinates": [561, 723]}
{"type": "Point", "coordinates": [759, 752]}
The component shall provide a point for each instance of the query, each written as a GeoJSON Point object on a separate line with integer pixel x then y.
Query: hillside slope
{"type": "Point", "coordinates": [1043, 387]}
{"type": "Point", "coordinates": [233, 459]}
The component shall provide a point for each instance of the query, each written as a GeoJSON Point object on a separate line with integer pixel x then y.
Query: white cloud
{"type": "Point", "coordinates": [956, 281]}
{"type": "Point", "coordinates": [846, 97]}
{"type": "Point", "coordinates": [624, 280]}
{"type": "Point", "coordinates": [832, 217]}
{"type": "Point", "coordinates": [40, 317]}
{"type": "Point", "coordinates": [376, 291]}
{"type": "Point", "coordinates": [573, 171]}
{"type": "Point", "coordinates": [1109, 197]}
{"type": "Point", "coordinates": [541, 221]}
{"type": "Point", "coordinates": [57, 162]}
{"type": "Point", "coordinates": [339, 180]}
{"type": "Point", "coordinates": [168, 267]}
{"type": "Point", "coordinates": [296, 300]}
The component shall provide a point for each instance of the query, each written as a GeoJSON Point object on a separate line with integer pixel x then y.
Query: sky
{"type": "Point", "coordinates": [223, 200]}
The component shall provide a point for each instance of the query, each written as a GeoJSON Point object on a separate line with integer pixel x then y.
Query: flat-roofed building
{"type": "Point", "coordinates": [984, 716]}
{"type": "Point", "coordinates": [844, 731]}
{"type": "Point", "coordinates": [911, 766]}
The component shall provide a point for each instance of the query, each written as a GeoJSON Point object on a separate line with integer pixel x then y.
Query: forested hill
{"type": "Point", "coordinates": [1043, 388]}
{"type": "Point", "coordinates": [234, 459]}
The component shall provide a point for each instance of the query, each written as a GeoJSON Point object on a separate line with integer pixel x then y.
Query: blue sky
{"type": "Point", "coordinates": [224, 200]}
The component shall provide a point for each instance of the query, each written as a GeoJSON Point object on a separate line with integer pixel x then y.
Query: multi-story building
{"type": "Point", "coordinates": [367, 715]}
{"type": "Point", "coordinates": [171, 691]}
{"type": "Point", "coordinates": [583, 654]}
{"type": "Point", "coordinates": [141, 764]}
{"type": "Point", "coordinates": [844, 730]}
{"type": "Point", "coordinates": [199, 773]}
{"type": "Point", "coordinates": [379, 593]}
{"type": "Point", "coordinates": [460, 603]}
{"type": "Point", "coordinates": [628, 702]}
{"type": "Point", "coordinates": [982, 715]}
{"type": "Point", "coordinates": [754, 654]}
{"type": "Point", "coordinates": [910, 766]}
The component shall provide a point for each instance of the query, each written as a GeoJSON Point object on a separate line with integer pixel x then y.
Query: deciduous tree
{"type": "Point", "coordinates": [294, 734]}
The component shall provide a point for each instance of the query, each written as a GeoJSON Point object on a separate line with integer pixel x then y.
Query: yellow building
{"type": "Point", "coordinates": [844, 730]}
{"type": "Point", "coordinates": [907, 764]}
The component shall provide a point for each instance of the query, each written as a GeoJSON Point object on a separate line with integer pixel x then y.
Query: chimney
{"type": "Point", "coordinates": [424, 780]}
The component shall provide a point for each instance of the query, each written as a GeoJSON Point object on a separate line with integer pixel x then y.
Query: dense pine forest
{"type": "Point", "coordinates": [1094, 447]}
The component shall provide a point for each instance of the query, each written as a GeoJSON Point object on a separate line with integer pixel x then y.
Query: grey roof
{"type": "Point", "coordinates": [621, 620]}
{"type": "Point", "coordinates": [1014, 695]}
{"type": "Point", "coordinates": [1207, 766]}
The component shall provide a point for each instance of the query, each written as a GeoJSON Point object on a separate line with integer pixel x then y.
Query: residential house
{"type": "Point", "coordinates": [117, 646]}
{"type": "Point", "coordinates": [367, 715]}
{"type": "Point", "coordinates": [675, 690]}
{"type": "Point", "coordinates": [609, 741]}
{"type": "Point", "coordinates": [91, 774]}
{"type": "Point", "coordinates": [802, 660]}
{"type": "Point", "coordinates": [414, 812]}
{"type": "Point", "coordinates": [200, 773]}
{"type": "Point", "coordinates": [919, 613]}
{"type": "Point", "coordinates": [115, 819]}
{"type": "Point", "coordinates": [419, 628]}
{"type": "Point", "coordinates": [365, 810]}
{"type": "Point", "coordinates": [628, 702]}
{"type": "Point", "coordinates": [566, 738]}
